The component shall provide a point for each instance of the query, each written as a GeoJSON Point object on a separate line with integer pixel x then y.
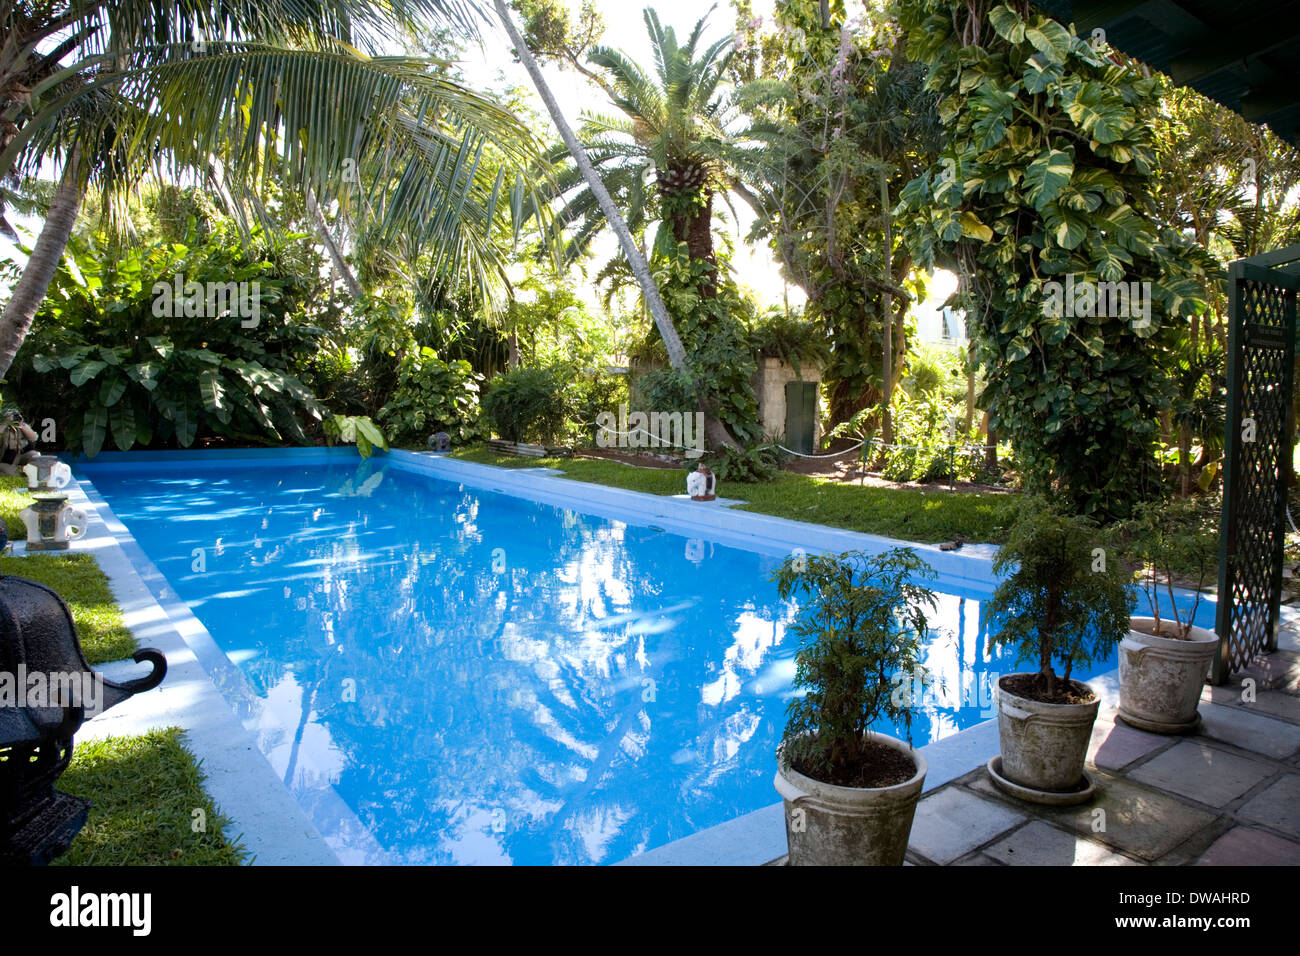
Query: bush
{"type": "Point", "coordinates": [527, 404]}
{"type": "Point", "coordinates": [790, 338]}
{"type": "Point", "coordinates": [432, 396]}
{"type": "Point", "coordinates": [592, 394]}
{"type": "Point", "coordinates": [749, 465]}
{"type": "Point", "coordinates": [106, 365]}
{"type": "Point", "coordinates": [863, 623]}
{"type": "Point", "coordinates": [1062, 602]}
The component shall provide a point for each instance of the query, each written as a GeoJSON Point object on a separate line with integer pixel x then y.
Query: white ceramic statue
{"type": "Point", "coordinates": [52, 522]}
{"type": "Point", "coordinates": [46, 473]}
{"type": "Point", "coordinates": [700, 484]}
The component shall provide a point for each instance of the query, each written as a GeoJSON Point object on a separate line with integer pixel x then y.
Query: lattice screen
{"type": "Point", "coordinates": [1259, 382]}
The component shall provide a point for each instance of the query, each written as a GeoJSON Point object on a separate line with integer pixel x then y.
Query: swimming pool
{"type": "Point", "coordinates": [446, 672]}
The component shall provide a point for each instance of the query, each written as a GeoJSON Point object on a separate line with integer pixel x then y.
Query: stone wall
{"type": "Point", "coordinates": [769, 383]}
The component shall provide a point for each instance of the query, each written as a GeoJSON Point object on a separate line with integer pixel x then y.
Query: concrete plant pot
{"type": "Point", "coordinates": [1160, 678]}
{"type": "Point", "coordinates": [826, 825]}
{"type": "Point", "coordinates": [1044, 745]}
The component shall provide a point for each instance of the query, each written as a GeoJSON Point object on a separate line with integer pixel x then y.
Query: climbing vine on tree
{"type": "Point", "coordinates": [1048, 177]}
{"type": "Point", "coordinates": [844, 122]}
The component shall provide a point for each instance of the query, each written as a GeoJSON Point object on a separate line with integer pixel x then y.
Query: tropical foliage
{"type": "Point", "coordinates": [432, 396]}
{"type": "Point", "coordinates": [1049, 175]}
{"type": "Point", "coordinates": [843, 122]}
{"type": "Point", "coordinates": [405, 241]}
{"type": "Point", "coordinates": [232, 93]}
{"type": "Point", "coordinates": [117, 358]}
{"type": "Point", "coordinates": [527, 404]}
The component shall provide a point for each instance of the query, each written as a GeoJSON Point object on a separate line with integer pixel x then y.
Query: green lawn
{"type": "Point", "coordinates": [910, 514]}
{"type": "Point", "coordinates": [145, 793]}
{"type": "Point", "coordinates": [79, 581]}
{"type": "Point", "coordinates": [13, 499]}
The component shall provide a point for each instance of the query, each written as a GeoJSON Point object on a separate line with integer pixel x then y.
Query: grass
{"type": "Point", "coordinates": [13, 499]}
{"type": "Point", "coordinates": [913, 515]}
{"type": "Point", "coordinates": [79, 581]}
{"type": "Point", "coordinates": [149, 806]}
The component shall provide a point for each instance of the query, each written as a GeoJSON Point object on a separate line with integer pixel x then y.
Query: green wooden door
{"type": "Point", "coordinates": [800, 416]}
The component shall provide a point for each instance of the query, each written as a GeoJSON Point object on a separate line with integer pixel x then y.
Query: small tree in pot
{"type": "Point", "coordinates": [1164, 659]}
{"type": "Point", "coordinates": [1063, 603]}
{"type": "Point", "coordinates": [850, 794]}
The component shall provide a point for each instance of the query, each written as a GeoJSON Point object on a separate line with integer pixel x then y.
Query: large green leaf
{"type": "Point", "coordinates": [122, 417]}
{"type": "Point", "coordinates": [186, 422]}
{"type": "Point", "coordinates": [1008, 23]}
{"type": "Point", "coordinates": [1050, 38]}
{"type": "Point", "coordinates": [1045, 176]}
{"type": "Point", "coordinates": [1099, 113]}
{"type": "Point", "coordinates": [111, 389]}
{"type": "Point", "coordinates": [94, 429]}
{"type": "Point", "coordinates": [211, 391]}
{"type": "Point", "coordinates": [84, 372]}
{"type": "Point", "coordinates": [145, 374]}
{"type": "Point", "coordinates": [366, 428]}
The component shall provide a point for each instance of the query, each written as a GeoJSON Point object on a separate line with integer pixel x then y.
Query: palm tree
{"type": "Point", "coordinates": [244, 91]}
{"type": "Point", "coordinates": [715, 430]}
{"type": "Point", "coordinates": [671, 148]}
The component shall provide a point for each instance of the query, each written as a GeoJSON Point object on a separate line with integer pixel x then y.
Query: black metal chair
{"type": "Point", "coordinates": [37, 637]}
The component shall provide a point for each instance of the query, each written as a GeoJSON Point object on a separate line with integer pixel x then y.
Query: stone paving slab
{"type": "Point", "coordinates": [1269, 703]}
{"type": "Point", "coordinates": [1115, 744]}
{"type": "Point", "coordinates": [953, 821]}
{"type": "Point", "coordinates": [1203, 773]}
{"type": "Point", "coordinates": [1277, 670]}
{"type": "Point", "coordinates": [1277, 807]}
{"type": "Point", "coordinates": [1263, 735]}
{"type": "Point", "coordinates": [1246, 846]}
{"type": "Point", "coordinates": [1040, 844]}
{"type": "Point", "coordinates": [1137, 821]}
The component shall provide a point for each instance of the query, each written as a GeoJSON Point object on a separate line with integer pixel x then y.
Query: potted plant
{"type": "Point", "coordinates": [1164, 659]}
{"type": "Point", "coordinates": [850, 793]}
{"type": "Point", "coordinates": [1063, 603]}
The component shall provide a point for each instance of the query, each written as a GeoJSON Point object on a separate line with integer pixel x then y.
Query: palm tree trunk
{"type": "Point", "coordinates": [30, 290]}
{"type": "Point", "coordinates": [331, 247]}
{"type": "Point", "coordinates": [715, 430]}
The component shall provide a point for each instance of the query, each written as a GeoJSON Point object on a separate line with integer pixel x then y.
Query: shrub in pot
{"type": "Point", "coordinates": [850, 793]}
{"type": "Point", "coordinates": [1062, 604]}
{"type": "Point", "coordinates": [1164, 659]}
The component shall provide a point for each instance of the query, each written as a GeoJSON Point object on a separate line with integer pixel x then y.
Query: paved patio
{"type": "Point", "coordinates": [1227, 795]}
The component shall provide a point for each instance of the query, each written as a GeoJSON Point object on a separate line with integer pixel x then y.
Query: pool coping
{"type": "Point", "coordinates": [754, 838]}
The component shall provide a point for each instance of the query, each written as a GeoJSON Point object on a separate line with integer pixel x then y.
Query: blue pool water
{"type": "Point", "coordinates": [484, 679]}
